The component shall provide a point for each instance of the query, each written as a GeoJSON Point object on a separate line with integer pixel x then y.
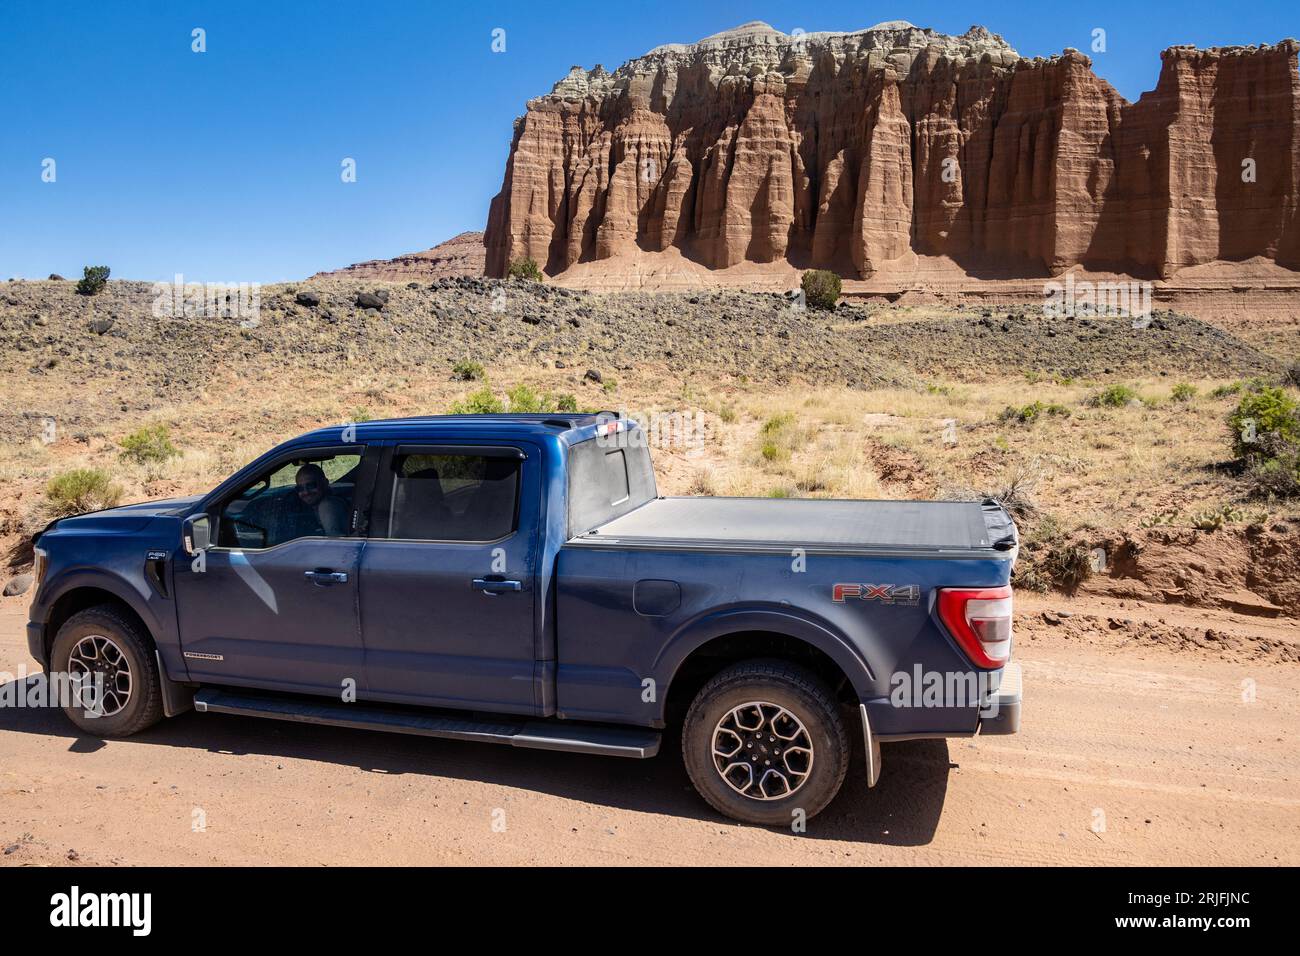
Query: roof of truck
{"type": "Point", "coordinates": [549, 423]}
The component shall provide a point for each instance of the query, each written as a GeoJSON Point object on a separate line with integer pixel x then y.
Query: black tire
{"type": "Point", "coordinates": [143, 706]}
{"type": "Point", "coordinates": [803, 695]}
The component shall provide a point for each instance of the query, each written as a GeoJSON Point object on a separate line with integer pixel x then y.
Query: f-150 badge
{"type": "Point", "coordinates": [909, 594]}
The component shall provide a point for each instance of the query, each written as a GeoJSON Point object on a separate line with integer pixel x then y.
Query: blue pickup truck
{"type": "Point", "coordinates": [516, 579]}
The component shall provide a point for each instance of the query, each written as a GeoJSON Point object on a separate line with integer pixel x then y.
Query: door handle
{"type": "Point", "coordinates": [495, 587]}
{"type": "Point", "coordinates": [325, 576]}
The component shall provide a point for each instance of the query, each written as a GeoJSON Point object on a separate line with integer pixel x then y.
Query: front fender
{"type": "Point", "coordinates": [787, 621]}
{"type": "Point", "coordinates": [133, 594]}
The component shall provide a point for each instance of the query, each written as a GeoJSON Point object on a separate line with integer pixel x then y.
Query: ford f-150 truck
{"type": "Point", "coordinates": [517, 579]}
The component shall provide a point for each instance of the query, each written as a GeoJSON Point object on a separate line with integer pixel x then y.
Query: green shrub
{"type": "Point", "coordinates": [524, 399]}
{"type": "Point", "coordinates": [149, 444]}
{"type": "Point", "coordinates": [360, 415]}
{"type": "Point", "coordinates": [566, 403]}
{"type": "Point", "coordinates": [468, 371]}
{"type": "Point", "coordinates": [1276, 477]}
{"type": "Point", "coordinates": [80, 490]}
{"type": "Point", "coordinates": [821, 289]}
{"type": "Point", "coordinates": [93, 280]}
{"type": "Point", "coordinates": [1292, 375]}
{"type": "Point", "coordinates": [1028, 414]}
{"type": "Point", "coordinates": [1263, 421]}
{"type": "Point", "coordinates": [482, 402]}
{"type": "Point", "coordinates": [526, 269]}
{"type": "Point", "coordinates": [1114, 396]}
{"type": "Point", "coordinates": [1183, 392]}
{"type": "Point", "coordinates": [727, 413]}
{"type": "Point", "coordinates": [1236, 388]}
{"type": "Point", "coordinates": [780, 437]}
{"type": "Point", "coordinates": [778, 423]}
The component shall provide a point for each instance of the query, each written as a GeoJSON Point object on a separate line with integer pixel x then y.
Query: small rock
{"type": "Point", "coordinates": [18, 585]}
{"type": "Point", "coordinates": [100, 326]}
{"type": "Point", "coordinates": [591, 375]}
{"type": "Point", "coordinates": [368, 300]}
{"type": "Point", "coordinates": [55, 277]}
{"type": "Point", "coordinates": [307, 299]}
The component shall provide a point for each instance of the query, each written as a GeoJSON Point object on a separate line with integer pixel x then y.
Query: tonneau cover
{"type": "Point", "coordinates": [809, 523]}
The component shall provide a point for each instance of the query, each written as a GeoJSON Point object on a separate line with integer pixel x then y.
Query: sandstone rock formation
{"type": "Point", "coordinates": [860, 151]}
{"type": "Point", "coordinates": [461, 255]}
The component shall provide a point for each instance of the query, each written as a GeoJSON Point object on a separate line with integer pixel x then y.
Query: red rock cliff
{"type": "Point", "coordinates": [858, 151]}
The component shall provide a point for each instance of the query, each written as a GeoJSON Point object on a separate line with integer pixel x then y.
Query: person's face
{"type": "Point", "coordinates": [311, 488]}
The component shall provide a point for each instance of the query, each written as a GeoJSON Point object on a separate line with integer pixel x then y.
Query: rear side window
{"type": "Point", "coordinates": [453, 497]}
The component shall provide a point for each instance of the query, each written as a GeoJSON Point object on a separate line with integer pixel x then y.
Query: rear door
{"type": "Point", "coordinates": [273, 602]}
{"type": "Point", "coordinates": [448, 576]}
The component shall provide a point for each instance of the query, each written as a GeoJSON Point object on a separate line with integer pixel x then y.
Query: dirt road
{"type": "Point", "coordinates": [1128, 755]}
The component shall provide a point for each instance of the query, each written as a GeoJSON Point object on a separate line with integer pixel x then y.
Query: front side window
{"type": "Point", "coordinates": [309, 496]}
{"type": "Point", "coordinates": [453, 497]}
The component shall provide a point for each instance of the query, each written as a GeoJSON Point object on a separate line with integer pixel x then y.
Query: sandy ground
{"type": "Point", "coordinates": [1128, 755]}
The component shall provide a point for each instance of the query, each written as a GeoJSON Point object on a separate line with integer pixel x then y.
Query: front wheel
{"type": "Point", "coordinates": [764, 740]}
{"type": "Point", "coordinates": [112, 674]}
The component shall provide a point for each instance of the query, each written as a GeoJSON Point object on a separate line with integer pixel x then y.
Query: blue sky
{"type": "Point", "coordinates": [225, 165]}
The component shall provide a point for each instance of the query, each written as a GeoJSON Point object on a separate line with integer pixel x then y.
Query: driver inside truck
{"type": "Point", "coordinates": [331, 512]}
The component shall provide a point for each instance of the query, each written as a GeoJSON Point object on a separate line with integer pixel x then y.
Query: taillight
{"type": "Point", "coordinates": [980, 621]}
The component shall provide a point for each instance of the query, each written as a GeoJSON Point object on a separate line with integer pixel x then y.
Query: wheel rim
{"type": "Point", "coordinates": [98, 664]}
{"type": "Point", "coordinates": [762, 751]}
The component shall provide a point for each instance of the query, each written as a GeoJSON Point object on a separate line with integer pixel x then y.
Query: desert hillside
{"type": "Point", "coordinates": [1101, 435]}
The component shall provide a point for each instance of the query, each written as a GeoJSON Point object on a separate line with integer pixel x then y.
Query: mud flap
{"type": "Point", "coordinates": [872, 748]}
{"type": "Point", "coordinates": [176, 698]}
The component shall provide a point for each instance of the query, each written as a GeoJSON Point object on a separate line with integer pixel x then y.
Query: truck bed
{"type": "Point", "coordinates": [814, 524]}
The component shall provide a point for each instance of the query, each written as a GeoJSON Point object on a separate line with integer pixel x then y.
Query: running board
{"type": "Point", "coordinates": [535, 734]}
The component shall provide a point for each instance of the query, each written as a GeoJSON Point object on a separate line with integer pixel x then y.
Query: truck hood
{"type": "Point", "coordinates": [126, 518]}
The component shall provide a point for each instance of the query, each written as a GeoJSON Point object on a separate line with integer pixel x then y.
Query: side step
{"type": "Point", "coordinates": [517, 732]}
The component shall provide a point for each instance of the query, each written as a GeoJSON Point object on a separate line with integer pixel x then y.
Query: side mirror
{"type": "Point", "coordinates": [196, 534]}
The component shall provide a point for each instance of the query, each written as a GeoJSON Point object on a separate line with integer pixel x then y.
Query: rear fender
{"type": "Point", "coordinates": [786, 621]}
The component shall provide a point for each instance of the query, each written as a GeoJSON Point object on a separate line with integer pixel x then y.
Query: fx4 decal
{"type": "Point", "coordinates": [909, 594]}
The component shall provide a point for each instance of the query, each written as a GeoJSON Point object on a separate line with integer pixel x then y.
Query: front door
{"type": "Point", "coordinates": [273, 603]}
{"type": "Point", "coordinates": [448, 577]}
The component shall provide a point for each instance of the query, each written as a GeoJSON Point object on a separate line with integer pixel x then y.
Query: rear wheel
{"type": "Point", "coordinates": [764, 740]}
{"type": "Point", "coordinates": [112, 673]}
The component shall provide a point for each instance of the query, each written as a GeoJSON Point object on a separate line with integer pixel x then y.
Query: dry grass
{"type": "Point", "coordinates": [1099, 467]}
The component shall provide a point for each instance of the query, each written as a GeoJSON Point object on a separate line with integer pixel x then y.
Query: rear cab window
{"type": "Point", "coordinates": [607, 478]}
